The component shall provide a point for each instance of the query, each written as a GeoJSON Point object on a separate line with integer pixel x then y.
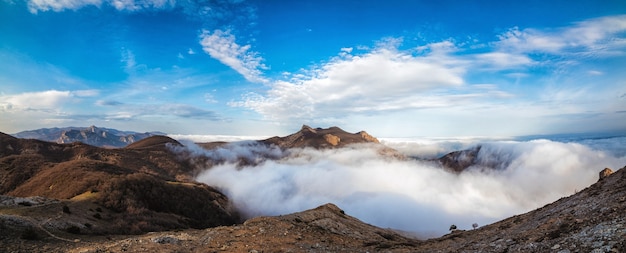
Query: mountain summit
{"type": "Point", "coordinates": [332, 137]}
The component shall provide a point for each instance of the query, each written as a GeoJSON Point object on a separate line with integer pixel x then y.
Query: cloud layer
{"type": "Point", "coordinates": [410, 195]}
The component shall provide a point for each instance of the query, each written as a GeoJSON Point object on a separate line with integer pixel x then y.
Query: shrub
{"type": "Point", "coordinates": [29, 234]}
{"type": "Point", "coordinates": [73, 229]}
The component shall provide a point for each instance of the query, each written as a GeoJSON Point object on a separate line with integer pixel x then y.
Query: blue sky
{"type": "Point", "coordinates": [392, 68]}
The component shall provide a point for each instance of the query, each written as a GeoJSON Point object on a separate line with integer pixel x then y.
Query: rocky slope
{"type": "Point", "coordinates": [95, 136]}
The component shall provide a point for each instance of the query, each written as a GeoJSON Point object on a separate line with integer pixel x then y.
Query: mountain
{"type": "Point", "coordinates": [141, 188]}
{"type": "Point", "coordinates": [333, 137]}
{"type": "Point", "coordinates": [95, 136]}
{"type": "Point", "coordinates": [458, 161]}
{"type": "Point", "coordinates": [80, 198]}
{"type": "Point", "coordinates": [591, 220]}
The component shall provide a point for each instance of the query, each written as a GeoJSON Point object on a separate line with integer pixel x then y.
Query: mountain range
{"type": "Point", "coordinates": [92, 135]}
{"type": "Point", "coordinates": [74, 197]}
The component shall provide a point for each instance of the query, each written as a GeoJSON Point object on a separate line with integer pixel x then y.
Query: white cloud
{"type": "Point", "coordinates": [595, 72]}
{"type": "Point", "coordinates": [501, 60]}
{"type": "Point", "coordinates": [59, 5]}
{"type": "Point", "coordinates": [221, 46]}
{"type": "Point", "coordinates": [35, 6]}
{"type": "Point", "coordinates": [128, 58]}
{"type": "Point", "coordinates": [43, 100]}
{"type": "Point", "coordinates": [209, 98]}
{"type": "Point", "coordinates": [132, 5]}
{"type": "Point", "coordinates": [383, 79]}
{"type": "Point", "coordinates": [596, 35]}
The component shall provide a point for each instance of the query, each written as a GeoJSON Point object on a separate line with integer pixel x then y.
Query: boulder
{"type": "Point", "coordinates": [605, 173]}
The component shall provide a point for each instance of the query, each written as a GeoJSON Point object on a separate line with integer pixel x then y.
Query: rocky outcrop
{"type": "Point", "coordinates": [331, 139]}
{"type": "Point", "coordinates": [368, 137]}
{"type": "Point", "coordinates": [605, 173]}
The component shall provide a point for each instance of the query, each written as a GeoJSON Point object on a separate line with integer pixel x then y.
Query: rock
{"type": "Point", "coordinates": [166, 240]}
{"type": "Point", "coordinates": [368, 137]}
{"type": "Point", "coordinates": [605, 173]}
{"type": "Point", "coordinates": [332, 139]}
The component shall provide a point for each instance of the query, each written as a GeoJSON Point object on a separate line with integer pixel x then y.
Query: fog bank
{"type": "Point", "coordinates": [413, 195]}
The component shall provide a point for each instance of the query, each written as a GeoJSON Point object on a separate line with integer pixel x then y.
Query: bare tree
{"type": "Point", "coordinates": [475, 225]}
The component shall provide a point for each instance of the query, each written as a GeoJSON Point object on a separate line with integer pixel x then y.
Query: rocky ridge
{"type": "Point", "coordinates": [333, 137]}
{"type": "Point", "coordinates": [92, 135]}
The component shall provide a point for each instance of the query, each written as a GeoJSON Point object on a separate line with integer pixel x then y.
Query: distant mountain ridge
{"type": "Point", "coordinates": [92, 135]}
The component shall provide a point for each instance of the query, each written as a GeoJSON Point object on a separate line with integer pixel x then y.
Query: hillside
{"type": "Point", "coordinates": [95, 136]}
{"type": "Point", "coordinates": [589, 221]}
{"type": "Point", "coordinates": [145, 188]}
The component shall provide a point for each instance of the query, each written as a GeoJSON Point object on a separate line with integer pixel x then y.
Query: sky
{"type": "Point", "coordinates": [392, 68]}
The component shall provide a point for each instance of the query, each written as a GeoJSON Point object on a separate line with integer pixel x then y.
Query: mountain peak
{"type": "Point", "coordinates": [321, 138]}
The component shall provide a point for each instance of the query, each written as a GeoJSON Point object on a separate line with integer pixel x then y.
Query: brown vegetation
{"type": "Point", "coordinates": [146, 184]}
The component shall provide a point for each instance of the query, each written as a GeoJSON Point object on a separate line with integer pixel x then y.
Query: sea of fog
{"type": "Point", "coordinates": [415, 194]}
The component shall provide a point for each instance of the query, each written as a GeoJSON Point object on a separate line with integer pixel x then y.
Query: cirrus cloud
{"type": "Point", "coordinates": [593, 35]}
{"type": "Point", "coordinates": [221, 45]}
